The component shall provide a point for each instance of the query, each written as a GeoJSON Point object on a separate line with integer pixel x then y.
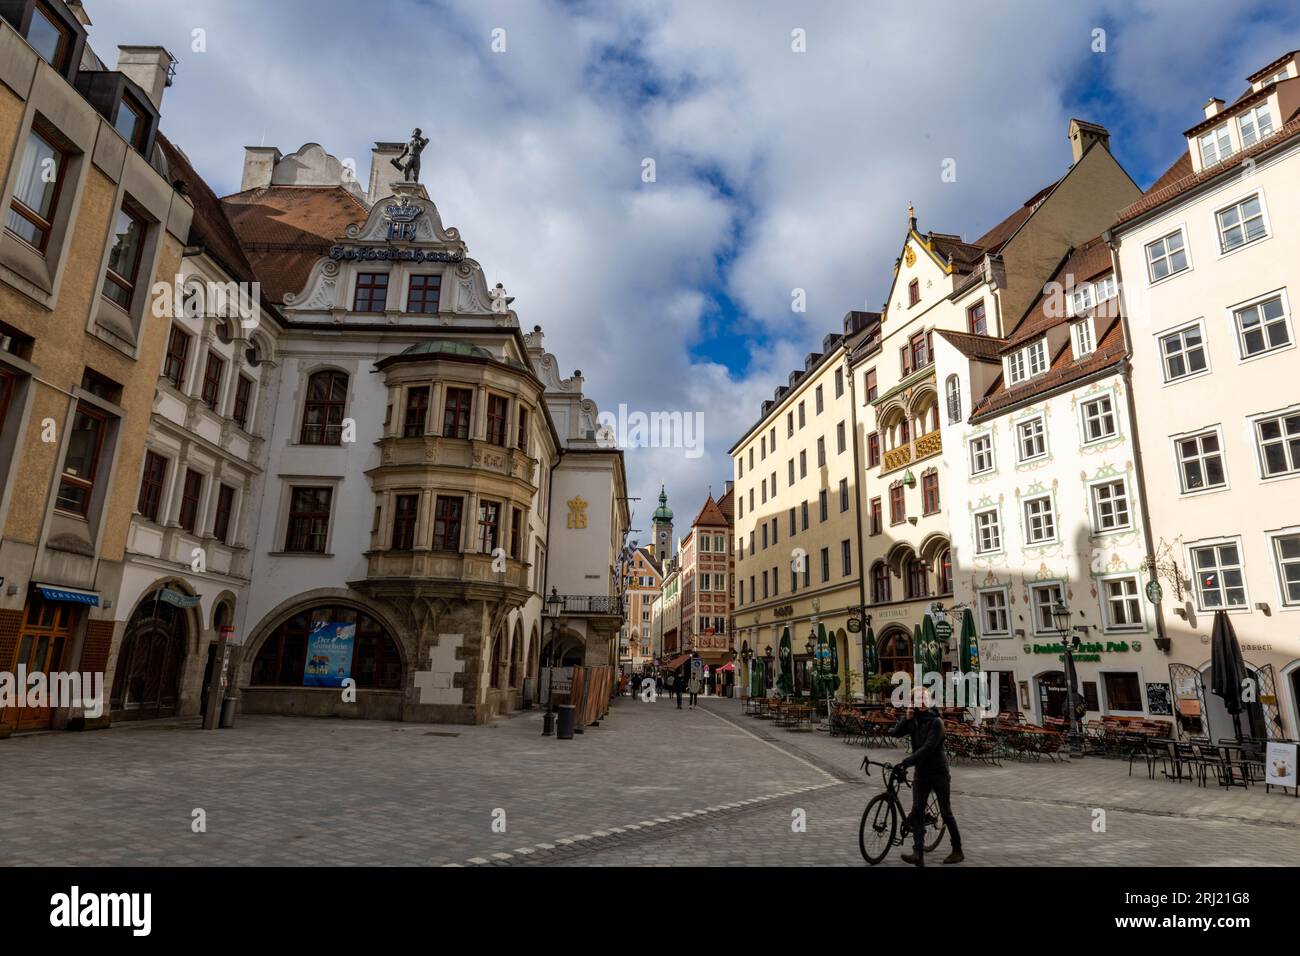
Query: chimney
{"type": "Point", "coordinates": [1083, 135]}
{"type": "Point", "coordinates": [259, 165]}
{"type": "Point", "coordinates": [382, 171]}
{"type": "Point", "coordinates": [79, 12]}
{"type": "Point", "coordinates": [1212, 106]}
{"type": "Point", "coordinates": [150, 67]}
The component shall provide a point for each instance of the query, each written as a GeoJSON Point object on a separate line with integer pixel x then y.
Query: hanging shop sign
{"type": "Point", "coordinates": [1085, 652]}
{"type": "Point", "coordinates": [178, 598]}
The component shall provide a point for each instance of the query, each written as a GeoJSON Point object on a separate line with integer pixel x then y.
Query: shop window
{"type": "Point", "coordinates": [1123, 692]}
{"type": "Point", "coordinates": [375, 663]}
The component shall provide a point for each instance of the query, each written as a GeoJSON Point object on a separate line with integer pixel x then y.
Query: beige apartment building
{"type": "Point", "coordinates": [1208, 260]}
{"type": "Point", "coordinates": [797, 535]}
{"type": "Point", "coordinates": [707, 575]}
{"type": "Point", "coordinates": [642, 578]}
{"type": "Point", "coordinates": [971, 290]}
{"type": "Point", "coordinates": [92, 223]}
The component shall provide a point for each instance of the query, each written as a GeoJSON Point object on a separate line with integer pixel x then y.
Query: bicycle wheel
{"type": "Point", "coordinates": [878, 828]}
{"type": "Point", "coordinates": [934, 825]}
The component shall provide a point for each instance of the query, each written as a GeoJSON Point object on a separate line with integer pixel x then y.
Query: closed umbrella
{"type": "Point", "coordinates": [871, 658]}
{"type": "Point", "coordinates": [1227, 668]}
{"type": "Point", "coordinates": [1072, 689]}
{"type": "Point", "coordinates": [832, 659]}
{"type": "Point", "coordinates": [970, 645]}
{"type": "Point", "coordinates": [931, 654]}
{"type": "Point", "coordinates": [785, 680]}
{"type": "Point", "coordinates": [918, 656]}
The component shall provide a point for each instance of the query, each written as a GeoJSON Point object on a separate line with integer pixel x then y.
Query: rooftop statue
{"type": "Point", "coordinates": [411, 154]}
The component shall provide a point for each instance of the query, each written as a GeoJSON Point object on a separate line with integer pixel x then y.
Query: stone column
{"type": "Point", "coordinates": [479, 428]}
{"type": "Point", "coordinates": [470, 539]}
{"type": "Point", "coordinates": [433, 425]}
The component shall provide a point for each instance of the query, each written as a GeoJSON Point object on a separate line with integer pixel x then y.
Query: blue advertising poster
{"type": "Point", "coordinates": [329, 654]}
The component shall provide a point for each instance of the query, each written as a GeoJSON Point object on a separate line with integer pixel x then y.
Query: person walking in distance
{"type": "Point", "coordinates": [696, 685]}
{"type": "Point", "coordinates": [674, 687]}
{"type": "Point", "coordinates": [925, 727]}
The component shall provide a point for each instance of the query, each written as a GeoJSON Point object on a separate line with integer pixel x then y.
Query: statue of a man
{"type": "Point", "coordinates": [411, 154]}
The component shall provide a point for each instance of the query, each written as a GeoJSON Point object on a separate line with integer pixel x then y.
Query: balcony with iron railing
{"type": "Point", "coordinates": [433, 566]}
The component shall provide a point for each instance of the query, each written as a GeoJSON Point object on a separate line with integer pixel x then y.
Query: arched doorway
{"type": "Point", "coordinates": [1254, 722]}
{"type": "Point", "coordinates": [564, 649]}
{"type": "Point", "coordinates": [895, 651]}
{"type": "Point", "coordinates": [147, 682]}
{"type": "Point", "coordinates": [516, 655]}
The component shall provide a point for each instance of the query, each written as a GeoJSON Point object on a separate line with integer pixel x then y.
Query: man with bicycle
{"type": "Point", "coordinates": [925, 727]}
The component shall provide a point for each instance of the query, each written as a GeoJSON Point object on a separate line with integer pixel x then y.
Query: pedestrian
{"type": "Point", "coordinates": [675, 687]}
{"type": "Point", "coordinates": [659, 684]}
{"type": "Point", "coordinates": [696, 685]}
{"type": "Point", "coordinates": [925, 727]}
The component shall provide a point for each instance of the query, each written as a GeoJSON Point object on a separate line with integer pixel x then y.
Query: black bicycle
{"type": "Point", "coordinates": [885, 823]}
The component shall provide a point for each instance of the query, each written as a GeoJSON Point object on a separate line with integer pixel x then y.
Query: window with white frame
{"type": "Point", "coordinates": [1183, 352]}
{"type": "Point", "coordinates": [1123, 606]}
{"type": "Point", "coordinates": [993, 612]}
{"type": "Point", "coordinates": [1037, 355]}
{"type": "Point", "coordinates": [1042, 598]}
{"type": "Point", "coordinates": [1255, 124]}
{"type": "Point", "coordinates": [1031, 439]}
{"type": "Point", "coordinates": [1241, 223]}
{"type": "Point", "coordinates": [1098, 419]}
{"type": "Point", "coordinates": [1082, 338]}
{"type": "Point", "coordinates": [1220, 582]}
{"type": "Point", "coordinates": [1166, 256]}
{"type": "Point", "coordinates": [981, 454]}
{"type": "Point", "coordinates": [1110, 508]}
{"type": "Point", "coordinates": [1016, 367]}
{"type": "Point", "coordinates": [1262, 327]}
{"type": "Point", "coordinates": [1216, 145]}
{"type": "Point", "coordinates": [1105, 289]}
{"type": "Point", "coordinates": [988, 533]}
{"type": "Point", "coordinates": [1286, 552]}
{"type": "Point", "coordinates": [1081, 299]}
{"type": "Point", "coordinates": [1278, 438]}
{"type": "Point", "coordinates": [1040, 522]}
{"type": "Point", "coordinates": [1200, 461]}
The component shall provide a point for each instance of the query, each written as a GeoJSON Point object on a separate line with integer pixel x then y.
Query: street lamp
{"type": "Point", "coordinates": [746, 655]}
{"type": "Point", "coordinates": [767, 666]}
{"type": "Point", "coordinates": [1061, 618]}
{"type": "Point", "coordinates": [554, 605]}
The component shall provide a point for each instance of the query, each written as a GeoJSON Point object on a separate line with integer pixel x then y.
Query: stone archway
{"type": "Point", "coordinates": [151, 661]}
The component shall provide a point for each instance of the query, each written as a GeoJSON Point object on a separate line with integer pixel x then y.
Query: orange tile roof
{"type": "Point", "coordinates": [286, 229]}
{"type": "Point", "coordinates": [1090, 261]}
{"type": "Point", "coordinates": [710, 515]}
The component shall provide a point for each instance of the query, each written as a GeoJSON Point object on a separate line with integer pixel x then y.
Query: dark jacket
{"type": "Point", "coordinates": [926, 730]}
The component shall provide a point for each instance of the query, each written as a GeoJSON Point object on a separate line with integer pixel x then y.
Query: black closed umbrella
{"type": "Point", "coordinates": [1227, 668]}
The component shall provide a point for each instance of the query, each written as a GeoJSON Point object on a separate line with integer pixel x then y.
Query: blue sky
{"type": "Point", "coordinates": [775, 170]}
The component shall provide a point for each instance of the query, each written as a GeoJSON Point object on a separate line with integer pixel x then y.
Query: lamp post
{"type": "Point", "coordinates": [767, 666]}
{"type": "Point", "coordinates": [554, 604]}
{"type": "Point", "coordinates": [746, 655]}
{"type": "Point", "coordinates": [1061, 618]}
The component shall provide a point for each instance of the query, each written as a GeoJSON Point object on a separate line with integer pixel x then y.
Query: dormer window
{"type": "Point", "coordinates": [49, 37]}
{"type": "Point", "coordinates": [1037, 355]}
{"type": "Point", "coordinates": [1083, 338]}
{"type": "Point", "coordinates": [1081, 299]}
{"type": "Point", "coordinates": [1016, 367]}
{"type": "Point", "coordinates": [1216, 146]}
{"type": "Point", "coordinates": [1105, 289]}
{"type": "Point", "coordinates": [131, 123]}
{"type": "Point", "coordinates": [1277, 77]}
{"type": "Point", "coordinates": [1255, 124]}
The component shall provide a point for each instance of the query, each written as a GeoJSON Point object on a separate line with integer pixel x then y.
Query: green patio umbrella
{"type": "Point", "coordinates": [969, 659]}
{"type": "Point", "coordinates": [871, 661]}
{"type": "Point", "coordinates": [931, 653]}
{"type": "Point", "coordinates": [832, 660]}
{"type": "Point", "coordinates": [918, 656]}
{"type": "Point", "coordinates": [785, 679]}
{"type": "Point", "coordinates": [757, 678]}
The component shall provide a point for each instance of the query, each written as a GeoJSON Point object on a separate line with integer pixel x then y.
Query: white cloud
{"type": "Point", "coordinates": [794, 170]}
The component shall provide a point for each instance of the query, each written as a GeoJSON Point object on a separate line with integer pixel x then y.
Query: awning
{"type": "Point", "coordinates": [68, 595]}
{"type": "Point", "coordinates": [677, 662]}
{"type": "Point", "coordinates": [729, 666]}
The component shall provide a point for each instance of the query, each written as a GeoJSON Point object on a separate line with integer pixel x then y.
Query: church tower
{"type": "Point", "coordinates": [661, 533]}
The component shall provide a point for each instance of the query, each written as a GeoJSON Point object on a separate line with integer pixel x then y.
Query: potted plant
{"type": "Point", "coordinates": [879, 686]}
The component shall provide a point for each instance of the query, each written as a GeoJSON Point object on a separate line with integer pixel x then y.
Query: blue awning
{"type": "Point", "coordinates": [72, 597]}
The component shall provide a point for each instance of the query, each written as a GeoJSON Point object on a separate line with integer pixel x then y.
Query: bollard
{"type": "Point", "coordinates": [564, 726]}
{"type": "Point", "coordinates": [228, 712]}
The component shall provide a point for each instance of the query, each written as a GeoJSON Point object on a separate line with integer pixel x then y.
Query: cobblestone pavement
{"type": "Point", "coordinates": [651, 786]}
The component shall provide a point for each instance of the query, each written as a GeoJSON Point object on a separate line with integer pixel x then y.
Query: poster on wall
{"type": "Point", "coordinates": [1160, 702]}
{"type": "Point", "coordinates": [1280, 764]}
{"type": "Point", "coordinates": [329, 654]}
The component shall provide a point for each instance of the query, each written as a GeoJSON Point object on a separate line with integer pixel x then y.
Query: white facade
{"type": "Point", "coordinates": [1210, 268]}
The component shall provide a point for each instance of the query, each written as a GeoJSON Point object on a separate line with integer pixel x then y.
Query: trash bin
{"type": "Point", "coordinates": [228, 712]}
{"type": "Point", "coordinates": [564, 726]}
